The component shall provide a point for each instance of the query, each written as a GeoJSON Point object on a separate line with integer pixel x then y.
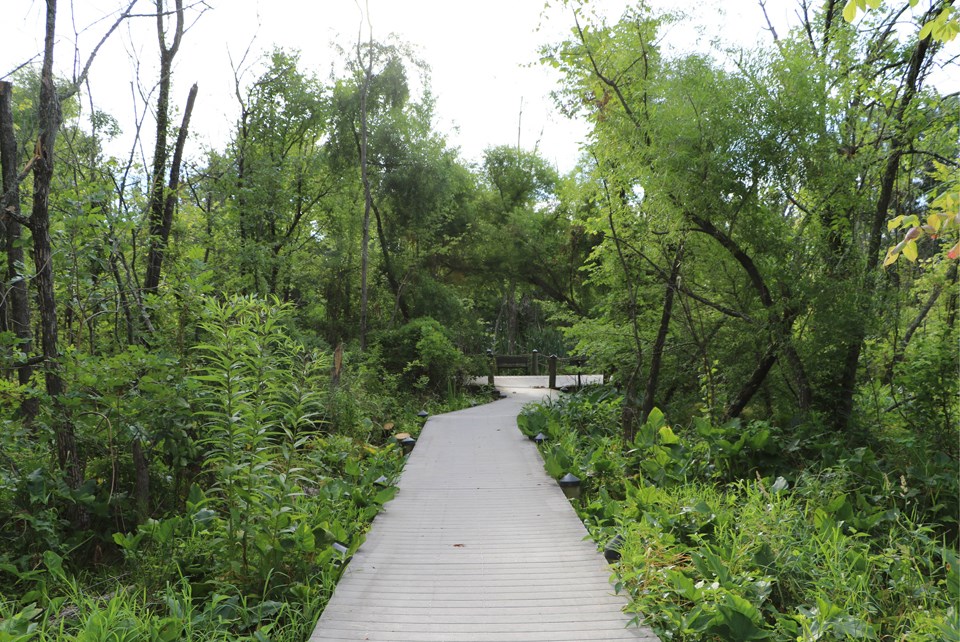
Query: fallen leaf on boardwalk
{"type": "Point", "coordinates": [459, 545]}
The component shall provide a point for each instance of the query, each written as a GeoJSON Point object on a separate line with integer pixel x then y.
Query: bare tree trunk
{"type": "Point", "coordinates": [49, 116]}
{"type": "Point", "coordinates": [19, 300]}
{"type": "Point", "coordinates": [162, 204]}
{"type": "Point", "coordinates": [158, 198]}
{"type": "Point", "coordinates": [395, 285]}
{"type": "Point", "coordinates": [160, 234]}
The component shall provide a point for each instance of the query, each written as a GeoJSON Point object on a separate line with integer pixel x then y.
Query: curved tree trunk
{"type": "Point", "coordinates": [781, 326]}
{"type": "Point", "coordinates": [752, 385]}
{"type": "Point", "coordinates": [649, 394]}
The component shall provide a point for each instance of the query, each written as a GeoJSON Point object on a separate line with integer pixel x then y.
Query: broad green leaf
{"type": "Point", "coordinates": [352, 467]}
{"type": "Point", "coordinates": [893, 223]}
{"type": "Point", "coordinates": [53, 562]}
{"type": "Point", "coordinates": [742, 619]}
{"type": "Point", "coordinates": [852, 627]}
{"type": "Point", "coordinates": [655, 418]}
{"type": "Point", "coordinates": [667, 436]}
{"type": "Point", "coordinates": [910, 251]}
{"type": "Point", "coordinates": [874, 4]}
{"type": "Point", "coordinates": [683, 585]}
{"type": "Point", "coordinates": [926, 30]}
{"type": "Point", "coordinates": [850, 10]}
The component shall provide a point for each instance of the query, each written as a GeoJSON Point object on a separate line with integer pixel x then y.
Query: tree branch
{"type": "Point", "coordinates": [685, 290]}
{"type": "Point", "coordinates": [79, 80]}
{"type": "Point", "coordinates": [770, 27]}
{"type": "Point", "coordinates": [742, 257]}
{"type": "Point", "coordinates": [596, 70]}
{"type": "Point", "coordinates": [170, 51]}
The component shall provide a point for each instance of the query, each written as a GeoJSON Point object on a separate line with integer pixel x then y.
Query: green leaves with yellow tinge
{"type": "Point", "coordinates": [910, 251]}
{"type": "Point", "coordinates": [942, 28]}
{"type": "Point", "coordinates": [943, 218]}
{"type": "Point", "coordinates": [850, 9]}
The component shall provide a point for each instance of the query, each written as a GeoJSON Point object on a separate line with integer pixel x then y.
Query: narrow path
{"type": "Point", "coordinates": [479, 545]}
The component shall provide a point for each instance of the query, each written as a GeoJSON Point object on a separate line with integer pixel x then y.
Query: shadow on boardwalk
{"type": "Point", "coordinates": [479, 544]}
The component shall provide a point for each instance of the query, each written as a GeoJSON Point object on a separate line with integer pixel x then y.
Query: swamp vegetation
{"type": "Point", "coordinates": [206, 356]}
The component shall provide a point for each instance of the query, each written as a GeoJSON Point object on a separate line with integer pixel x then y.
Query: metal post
{"type": "Point", "coordinates": [536, 363]}
{"type": "Point", "coordinates": [492, 365]}
{"type": "Point", "coordinates": [552, 372]}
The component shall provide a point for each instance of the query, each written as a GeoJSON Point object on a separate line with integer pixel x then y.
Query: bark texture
{"type": "Point", "coordinates": [18, 308]}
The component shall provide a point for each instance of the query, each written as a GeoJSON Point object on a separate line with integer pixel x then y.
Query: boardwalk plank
{"type": "Point", "coordinates": [478, 545]}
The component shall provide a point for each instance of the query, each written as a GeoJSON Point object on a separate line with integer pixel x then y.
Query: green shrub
{"type": "Point", "coordinates": [723, 540]}
{"type": "Point", "coordinates": [423, 354]}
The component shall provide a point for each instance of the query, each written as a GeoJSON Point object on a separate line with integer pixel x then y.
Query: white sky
{"type": "Point", "coordinates": [483, 56]}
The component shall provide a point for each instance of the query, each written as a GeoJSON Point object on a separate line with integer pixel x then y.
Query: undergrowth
{"type": "Point", "coordinates": [748, 532]}
{"type": "Point", "coordinates": [264, 476]}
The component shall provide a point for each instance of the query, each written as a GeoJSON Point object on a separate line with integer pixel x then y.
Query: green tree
{"type": "Point", "coordinates": [420, 194]}
{"type": "Point", "coordinates": [278, 180]}
{"type": "Point", "coordinates": [775, 178]}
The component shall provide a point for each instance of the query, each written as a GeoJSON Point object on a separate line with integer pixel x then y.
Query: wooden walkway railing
{"type": "Point", "coordinates": [530, 364]}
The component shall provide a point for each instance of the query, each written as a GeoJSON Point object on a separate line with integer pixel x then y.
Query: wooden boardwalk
{"type": "Point", "coordinates": [479, 545]}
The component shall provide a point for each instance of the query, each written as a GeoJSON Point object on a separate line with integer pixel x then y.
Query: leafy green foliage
{"type": "Point", "coordinates": [941, 26]}
{"type": "Point", "coordinates": [723, 541]}
{"type": "Point", "coordinates": [273, 489]}
{"type": "Point", "coordinates": [423, 354]}
{"type": "Point", "coordinates": [807, 489]}
{"type": "Point", "coordinates": [766, 168]}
